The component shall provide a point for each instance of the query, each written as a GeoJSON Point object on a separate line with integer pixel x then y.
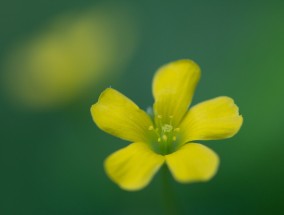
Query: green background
{"type": "Point", "coordinates": [52, 161]}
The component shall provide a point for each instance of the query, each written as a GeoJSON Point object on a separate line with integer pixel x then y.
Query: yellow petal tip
{"type": "Point", "coordinates": [193, 163]}
{"type": "Point", "coordinates": [133, 167]}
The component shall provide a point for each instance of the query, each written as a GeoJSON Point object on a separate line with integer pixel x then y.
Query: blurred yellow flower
{"type": "Point", "coordinates": [66, 59]}
{"type": "Point", "coordinates": [167, 135]}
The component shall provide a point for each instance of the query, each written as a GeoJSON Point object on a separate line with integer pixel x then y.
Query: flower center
{"type": "Point", "coordinates": [164, 136]}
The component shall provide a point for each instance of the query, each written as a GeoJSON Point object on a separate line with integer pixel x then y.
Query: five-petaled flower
{"type": "Point", "coordinates": [169, 134]}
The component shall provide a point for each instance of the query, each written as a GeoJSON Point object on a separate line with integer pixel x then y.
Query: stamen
{"type": "Point", "coordinates": [165, 138]}
{"type": "Point", "coordinates": [177, 129]}
{"type": "Point", "coordinates": [171, 119]}
{"type": "Point", "coordinates": [174, 138]}
{"type": "Point", "coordinates": [151, 128]}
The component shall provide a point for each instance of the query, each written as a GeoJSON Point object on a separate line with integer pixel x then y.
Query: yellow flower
{"type": "Point", "coordinates": [75, 52]}
{"type": "Point", "coordinates": [169, 134]}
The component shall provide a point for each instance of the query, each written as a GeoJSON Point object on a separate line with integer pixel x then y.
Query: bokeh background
{"type": "Point", "coordinates": [57, 56]}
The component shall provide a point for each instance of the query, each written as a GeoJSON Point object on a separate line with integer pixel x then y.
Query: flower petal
{"type": "Point", "coordinates": [213, 119]}
{"type": "Point", "coordinates": [193, 162]}
{"type": "Point", "coordinates": [116, 114]}
{"type": "Point", "coordinates": [133, 167]}
{"type": "Point", "coordinates": [173, 88]}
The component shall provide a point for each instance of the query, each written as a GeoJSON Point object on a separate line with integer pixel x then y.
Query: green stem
{"type": "Point", "coordinates": [170, 201]}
